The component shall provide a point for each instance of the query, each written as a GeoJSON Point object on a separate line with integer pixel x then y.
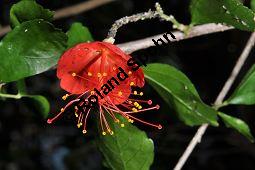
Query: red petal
{"type": "Point", "coordinates": [76, 59]}
{"type": "Point", "coordinates": [72, 84]}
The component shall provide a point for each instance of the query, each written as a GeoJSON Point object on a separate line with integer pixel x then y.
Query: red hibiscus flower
{"type": "Point", "coordinates": [102, 71]}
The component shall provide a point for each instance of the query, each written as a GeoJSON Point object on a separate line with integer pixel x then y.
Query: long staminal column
{"type": "Point", "coordinates": [62, 111]}
{"type": "Point", "coordinates": [159, 126]}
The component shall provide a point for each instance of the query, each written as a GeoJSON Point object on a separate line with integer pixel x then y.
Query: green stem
{"type": "Point", "coordinates": [217, 107]}
{"type": "Point", "coordinates": [12, 96]}
{"type": "Point", "coordinates": [176, 24]}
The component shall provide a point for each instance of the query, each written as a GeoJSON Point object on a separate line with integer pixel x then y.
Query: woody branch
{"type": "Point", "coordinates": [184, 32]}
{"type": "Point", "coordinates": [196, 31]}
{"type": "Point", "coordinates": [202, 129]}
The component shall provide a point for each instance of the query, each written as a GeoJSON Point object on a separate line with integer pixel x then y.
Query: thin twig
{"type": "Point", "coordinates": [68, 11]}
{"type": "Point", "coordinates": [236, 69]}
{"type": "Point", "coordinates": [79, 8]}
{"type": "Point", "coordinates": [195, 31]}
{"type": "Point", "coordinates": [132, 46]}
{"type": "Point", "coordinates": [201, 130]}
{"type": "Point", "coordinates": [158, 13]}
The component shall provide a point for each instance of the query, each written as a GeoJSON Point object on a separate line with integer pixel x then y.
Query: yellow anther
{"type": "Point", "coordinates": [76, 115]}
{"type": "Point", "coordinates": [92, 92]}
{"type": "Point", "coordinates": [136, 104]}
{"type": "Point", "coordinates": [141, 93]}
{"type": "Point", "coordinates": [78, 125]}
{"type": "Point", "coordinates": [111, 133]}
{"type": "Point", "coordinates": [75, 107]}
{"type": "Point", "coordinates": [99, 75]}
{"type": "Point", "coordinates": [130, 120]}
{"type": "Point", "coordinates": [98, 52]}
{"type": "Point", "coordinates": [132, 83]}
{"type": "Point", "coordinates": [65, 96]}
{"type": "Point", "coordinates": [104, 74]}
{"type": "Point", "coordinates": [73, 74]}
{"type": "Point", "coordinates": [62, 109]}
{"type": "Point", "coordinates": [89, 74]}
{"type": "Point", "coordinates": [84, 131]}
{"type": "Point", "coordinates": [114, 68]}
{"type": "Point", "coordinates": [130, 72]}
{"type": "Point", "coordinates": [120, 93]}
{"type": "Point", "coordinates": [135, 92]}
{"type": "Point", "coordinates": [140, 107]}
{"type": "Point", "coordinates": [134, 109]}
{"type": "Point", "coordinates": [117, 121]}
{"type": "Point", "coordinates": [103, 133]}
{"type": "Point", "coordinates": [122, 125]}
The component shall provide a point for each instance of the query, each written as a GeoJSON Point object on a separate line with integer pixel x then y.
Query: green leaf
{"type": "Point", "coordinates": [28, 10]}
{"type": "Point", "coordinates": [30, 48]}
{"type": "Point", "coordinates": [41, 103]}
{"type": "Point", "coordinates": [237, 124]}
{"type": "Point", "coordinates": [77, 34]}
{"type": "Point", "coordinates": [177, 90]}
{"type": "Point", "coordinates": [230, 12]}
{"type": "Point", "coordinates": [245, 92]}
{"type": "Point", "coordinates": [129, 147]}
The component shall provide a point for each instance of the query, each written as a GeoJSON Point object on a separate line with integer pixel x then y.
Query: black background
{"type": "Point", "coordinates": [28, 142]}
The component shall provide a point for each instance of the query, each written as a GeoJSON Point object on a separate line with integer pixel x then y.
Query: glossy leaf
{"type": "Point", "coordinates": [177, 90]}
{"type": "Point", "coordinates": [237, 124]}
{"type": "Point", "coordinates": [77, 34]}
{"type": "Point", "coordinates": [245, 92]}
{"type": "Point", "coordinates": [41, 104]}
{"type": "Point", "coordinates": [230, 12]}
{"type": "Point", "coordinates": [129, 147]}
{"type": "Point", "coordinates": [31, 48]}
{"type": "Point", "coordinates": [28, 10]}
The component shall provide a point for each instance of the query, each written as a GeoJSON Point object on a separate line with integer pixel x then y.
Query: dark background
{"type": "Point", "coordinates": [28, 142]}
